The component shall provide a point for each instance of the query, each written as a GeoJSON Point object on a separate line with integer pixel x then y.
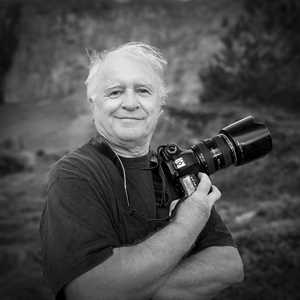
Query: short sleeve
{"type": "Point", "coordinates": [77, 231]}
{"type": "Point", "coordinates": [215, 233]}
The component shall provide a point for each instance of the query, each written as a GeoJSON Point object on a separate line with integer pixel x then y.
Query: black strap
{"type": "Point", "coordinates": [104, 148]}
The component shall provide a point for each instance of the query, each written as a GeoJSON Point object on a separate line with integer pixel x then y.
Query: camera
{"type": "Point", "coordinates": [236, 144]}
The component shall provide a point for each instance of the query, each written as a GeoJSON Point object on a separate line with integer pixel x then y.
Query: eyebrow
{"type": "Point", "coordinates": [113, 86]}
{"type": "Point", "coordinates": [148, 85]}
{"type": "Point", "coordinates": [123, 85]}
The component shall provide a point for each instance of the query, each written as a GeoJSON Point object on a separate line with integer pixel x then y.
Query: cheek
{"type": "Point", "coordinates": [105, 108]}
{"type": "Point", "coordinates": [152, 106]}
{"type": "Point", "coordinates": [155, 111]}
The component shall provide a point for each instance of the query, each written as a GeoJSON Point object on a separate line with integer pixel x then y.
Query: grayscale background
{"type": "Point", "coordinates": [227, 59]}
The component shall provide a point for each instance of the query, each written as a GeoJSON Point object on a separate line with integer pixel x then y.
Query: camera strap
{"type": "Point", "coordinates": [105, 149]}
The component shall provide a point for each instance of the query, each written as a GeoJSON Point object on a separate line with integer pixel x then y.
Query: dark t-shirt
{"type": "Point", "coordinates": [93, 207]}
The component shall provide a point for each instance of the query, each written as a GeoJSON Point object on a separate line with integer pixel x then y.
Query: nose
{"type": "Point", "coordinates": [130, 100]}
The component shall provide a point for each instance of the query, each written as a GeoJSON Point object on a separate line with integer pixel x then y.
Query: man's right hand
{"type": "Point", "coordinates": [194, 211]}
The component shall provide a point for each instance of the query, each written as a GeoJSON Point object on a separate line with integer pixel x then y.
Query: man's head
{"type": "Point", "coordinates": [126, 90]}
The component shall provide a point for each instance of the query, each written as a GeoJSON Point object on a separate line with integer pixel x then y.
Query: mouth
{"type": "Point", "coordinates": [130, 118]}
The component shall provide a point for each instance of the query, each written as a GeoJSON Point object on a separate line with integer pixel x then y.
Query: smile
{"type": "Point", "coordinates": [129, 118]}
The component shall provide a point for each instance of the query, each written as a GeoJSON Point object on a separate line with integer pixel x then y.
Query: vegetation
{"type": "Point", "coordinates": [9, 22]}
{"type": "Point", "coordinates": [260, 60]}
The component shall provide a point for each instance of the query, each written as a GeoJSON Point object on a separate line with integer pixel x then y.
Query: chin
{"type": "Point", "coordinates": [132, 136]}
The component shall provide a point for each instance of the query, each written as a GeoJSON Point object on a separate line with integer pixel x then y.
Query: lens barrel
{"type": "Point", "coordinates": [236, 144]}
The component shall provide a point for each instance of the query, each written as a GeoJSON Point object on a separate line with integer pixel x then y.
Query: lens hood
{"type": "Point", "coordinates": [251, 139]}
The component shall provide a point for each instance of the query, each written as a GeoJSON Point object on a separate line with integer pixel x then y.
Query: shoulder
{"type": "Point", "coordinates": [85, 163]}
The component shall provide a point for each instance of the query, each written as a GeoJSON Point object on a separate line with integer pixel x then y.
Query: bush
{"type": "Point", "coordinates": [14, 158]}
{"type": "Point", "coordinates": [271, 257]}
{"type": "Point", "coordinates": [260, 61]}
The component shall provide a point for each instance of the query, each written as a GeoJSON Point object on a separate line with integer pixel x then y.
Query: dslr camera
{"type": "Point", "coordinates": [236, 144]}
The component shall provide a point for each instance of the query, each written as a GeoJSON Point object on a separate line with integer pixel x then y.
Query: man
{"type": "Point", "coordinates": [105, 228]}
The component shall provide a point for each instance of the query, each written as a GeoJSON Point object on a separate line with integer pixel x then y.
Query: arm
{"type": "Point", "coordinates": [136, 272]}
{"type": "Point", "coordinates": [203, 275]}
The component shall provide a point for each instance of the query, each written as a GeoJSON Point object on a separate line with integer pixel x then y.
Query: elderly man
{"type": "Point", "coordinates": [105, 227]}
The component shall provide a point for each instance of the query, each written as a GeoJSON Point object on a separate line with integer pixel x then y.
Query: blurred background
{"type": "Point", "coordinates": [227, 59]}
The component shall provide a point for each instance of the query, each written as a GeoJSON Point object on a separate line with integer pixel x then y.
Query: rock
{"type": "Point", "coordinates": [16, 161]}
{"type": "Point", "coordinates": [245, 217]}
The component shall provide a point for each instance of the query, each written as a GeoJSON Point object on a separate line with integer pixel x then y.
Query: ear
{"type": "Point", "coordinates": [91, 104]}
{"type": "Point", "coordinates": [161, 110]}
{"type": "Point", "coordinates": [163, 104]}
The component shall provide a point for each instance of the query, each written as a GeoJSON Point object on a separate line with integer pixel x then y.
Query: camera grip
{"type": "Point", "coordinates": [189, 184]}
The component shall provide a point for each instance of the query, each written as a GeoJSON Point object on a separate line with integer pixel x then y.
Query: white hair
{"type": "Point", "coordinates": [141, 50]}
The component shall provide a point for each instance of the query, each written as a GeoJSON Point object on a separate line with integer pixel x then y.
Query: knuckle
{"type": "Point", "coordinates": [214, 192]}
{"type": "Point", "coordinates": [204, 176]}
{"type": "Point", "coordinates": [218, 193]}
{"type": "Point", "coordinates": [205, 180]}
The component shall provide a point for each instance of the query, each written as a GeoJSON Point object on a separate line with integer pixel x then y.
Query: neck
{"type": "Point", "coordinates": [127, 150]}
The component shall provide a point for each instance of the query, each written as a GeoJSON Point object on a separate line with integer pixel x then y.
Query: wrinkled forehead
{"type": "Point", "coordinates": [119, 61]}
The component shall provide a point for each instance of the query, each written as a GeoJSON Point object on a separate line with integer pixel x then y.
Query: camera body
{"type": "Point", "coordinates": [236, 144]}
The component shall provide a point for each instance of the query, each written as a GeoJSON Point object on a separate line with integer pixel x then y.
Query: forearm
{"type": "Point", "coordinates": [145, 265]}
{"type": "Point", "coordinates": [203, 275]}
{"type": "Point", "coordinates": [135, 272]}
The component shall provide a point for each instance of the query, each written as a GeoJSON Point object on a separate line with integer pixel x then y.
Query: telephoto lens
{"type": "Point", "coordinates": [236, 144]}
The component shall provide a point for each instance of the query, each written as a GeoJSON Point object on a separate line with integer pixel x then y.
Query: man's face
{"type": "Point", "coordinates": [128, 102]}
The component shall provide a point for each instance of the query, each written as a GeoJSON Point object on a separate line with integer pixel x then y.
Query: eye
{"type": "Point", "coordinates": [115, 93]}
{"type": "Point", "coordinates": [143, 91]}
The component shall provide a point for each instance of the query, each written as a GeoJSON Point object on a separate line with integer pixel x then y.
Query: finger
{"type": "Point", "coordinates": [205, 183]}
{"type": "Point", "coordinates": [214, 195]}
